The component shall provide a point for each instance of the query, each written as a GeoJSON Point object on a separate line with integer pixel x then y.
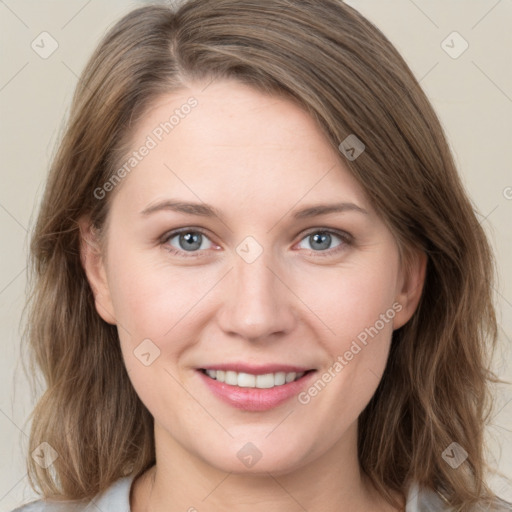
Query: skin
{"type": "Point", "coordinates": [257, 159]}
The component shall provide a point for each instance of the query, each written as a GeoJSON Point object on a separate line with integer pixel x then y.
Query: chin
{"type": "Point", "coordinates": [260, 456]}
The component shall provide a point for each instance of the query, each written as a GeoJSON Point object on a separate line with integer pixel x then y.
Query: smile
{"type": "Point", "coordinates": [255, 388]}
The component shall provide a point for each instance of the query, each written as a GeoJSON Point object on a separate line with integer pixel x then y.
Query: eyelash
{"type": "Point", "coordinates": [345, 238]}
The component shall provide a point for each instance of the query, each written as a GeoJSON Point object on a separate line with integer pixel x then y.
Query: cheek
{"type": "Point", "coordinates": [357, 307]}
{"type": "Point", "coordinates": [155, 315]}
{"type": "Point", "coordinates": [352, 299]}
{"type": "Point", "coordinates": [150, 300]}
{"type": "Point", "coordinates": [161, 310]}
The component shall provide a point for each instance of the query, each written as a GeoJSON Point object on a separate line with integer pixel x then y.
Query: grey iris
{"type": "Point", "coordinates": [193, 240]}
{"type": "Point", "coordinates": [324, 239]}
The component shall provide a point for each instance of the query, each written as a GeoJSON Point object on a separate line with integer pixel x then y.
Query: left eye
{"type": "Point", "coordinates": [321, 240]}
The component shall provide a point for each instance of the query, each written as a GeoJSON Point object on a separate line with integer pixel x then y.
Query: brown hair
{"type": "Point", "coordinates": [340, 68]}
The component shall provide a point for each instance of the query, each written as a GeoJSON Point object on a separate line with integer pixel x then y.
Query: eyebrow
{"type": "Point", "coordinates": [323, 209]}
{"type": "Point", "coordinates": [206, 210]}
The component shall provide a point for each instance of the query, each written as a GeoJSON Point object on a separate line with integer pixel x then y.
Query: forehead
{"type": "Point", "coordinates": [228, 138]}
{"type": "Point", "coordinates": [227, 114]}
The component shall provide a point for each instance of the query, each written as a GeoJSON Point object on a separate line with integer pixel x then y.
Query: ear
{"type": "Point", "coordinates": [93, 263]}
{"type": "Point", "coordinates": [413, 280]}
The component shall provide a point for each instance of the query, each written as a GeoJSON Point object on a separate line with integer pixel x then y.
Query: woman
{"type": "Point", "coordinates": [255, 266]}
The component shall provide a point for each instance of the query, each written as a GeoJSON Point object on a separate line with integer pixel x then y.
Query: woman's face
{"type": "Point", "coordinates": [267, 289]}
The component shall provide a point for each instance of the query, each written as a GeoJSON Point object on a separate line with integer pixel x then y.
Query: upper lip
{"type": "Point", "coordinates": [256, 369]}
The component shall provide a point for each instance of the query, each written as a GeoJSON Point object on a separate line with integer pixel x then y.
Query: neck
{"type": "Point", "coordinates": [180, 481]}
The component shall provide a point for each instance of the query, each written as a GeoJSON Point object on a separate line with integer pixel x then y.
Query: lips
{"type": "Point", "coordinates": [255, 388]}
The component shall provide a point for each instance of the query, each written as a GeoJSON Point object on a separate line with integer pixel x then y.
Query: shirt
{"type": "Point", "coordinates": [117, 499]}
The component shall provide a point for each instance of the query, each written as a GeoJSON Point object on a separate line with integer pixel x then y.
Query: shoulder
{"type": "Point", "coordinates": [114, 499]}
{"type": "Point", "coordinates": [421, 499]}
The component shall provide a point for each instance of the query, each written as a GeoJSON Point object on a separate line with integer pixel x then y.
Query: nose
{"type": "Point", "coordinates": [258, 303]}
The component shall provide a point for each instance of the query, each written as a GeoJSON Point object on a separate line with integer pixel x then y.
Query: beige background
{"type": "Point", "coordinates": [472, 94]}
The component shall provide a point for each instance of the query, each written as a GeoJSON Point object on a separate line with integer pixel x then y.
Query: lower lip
{"type": "Point", "coordinates": [255, 399]}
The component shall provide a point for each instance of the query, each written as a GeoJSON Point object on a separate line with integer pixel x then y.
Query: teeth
{"type": "Point", "coordinates": [231, 378]}
{"type": "Point", "coordinates": [290, 376]}
{"type": "Point", "coordinates": [248, 380]}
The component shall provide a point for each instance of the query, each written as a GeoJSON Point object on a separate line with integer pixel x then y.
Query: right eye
{"type": "Point", "coordinates": [187, 242]}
